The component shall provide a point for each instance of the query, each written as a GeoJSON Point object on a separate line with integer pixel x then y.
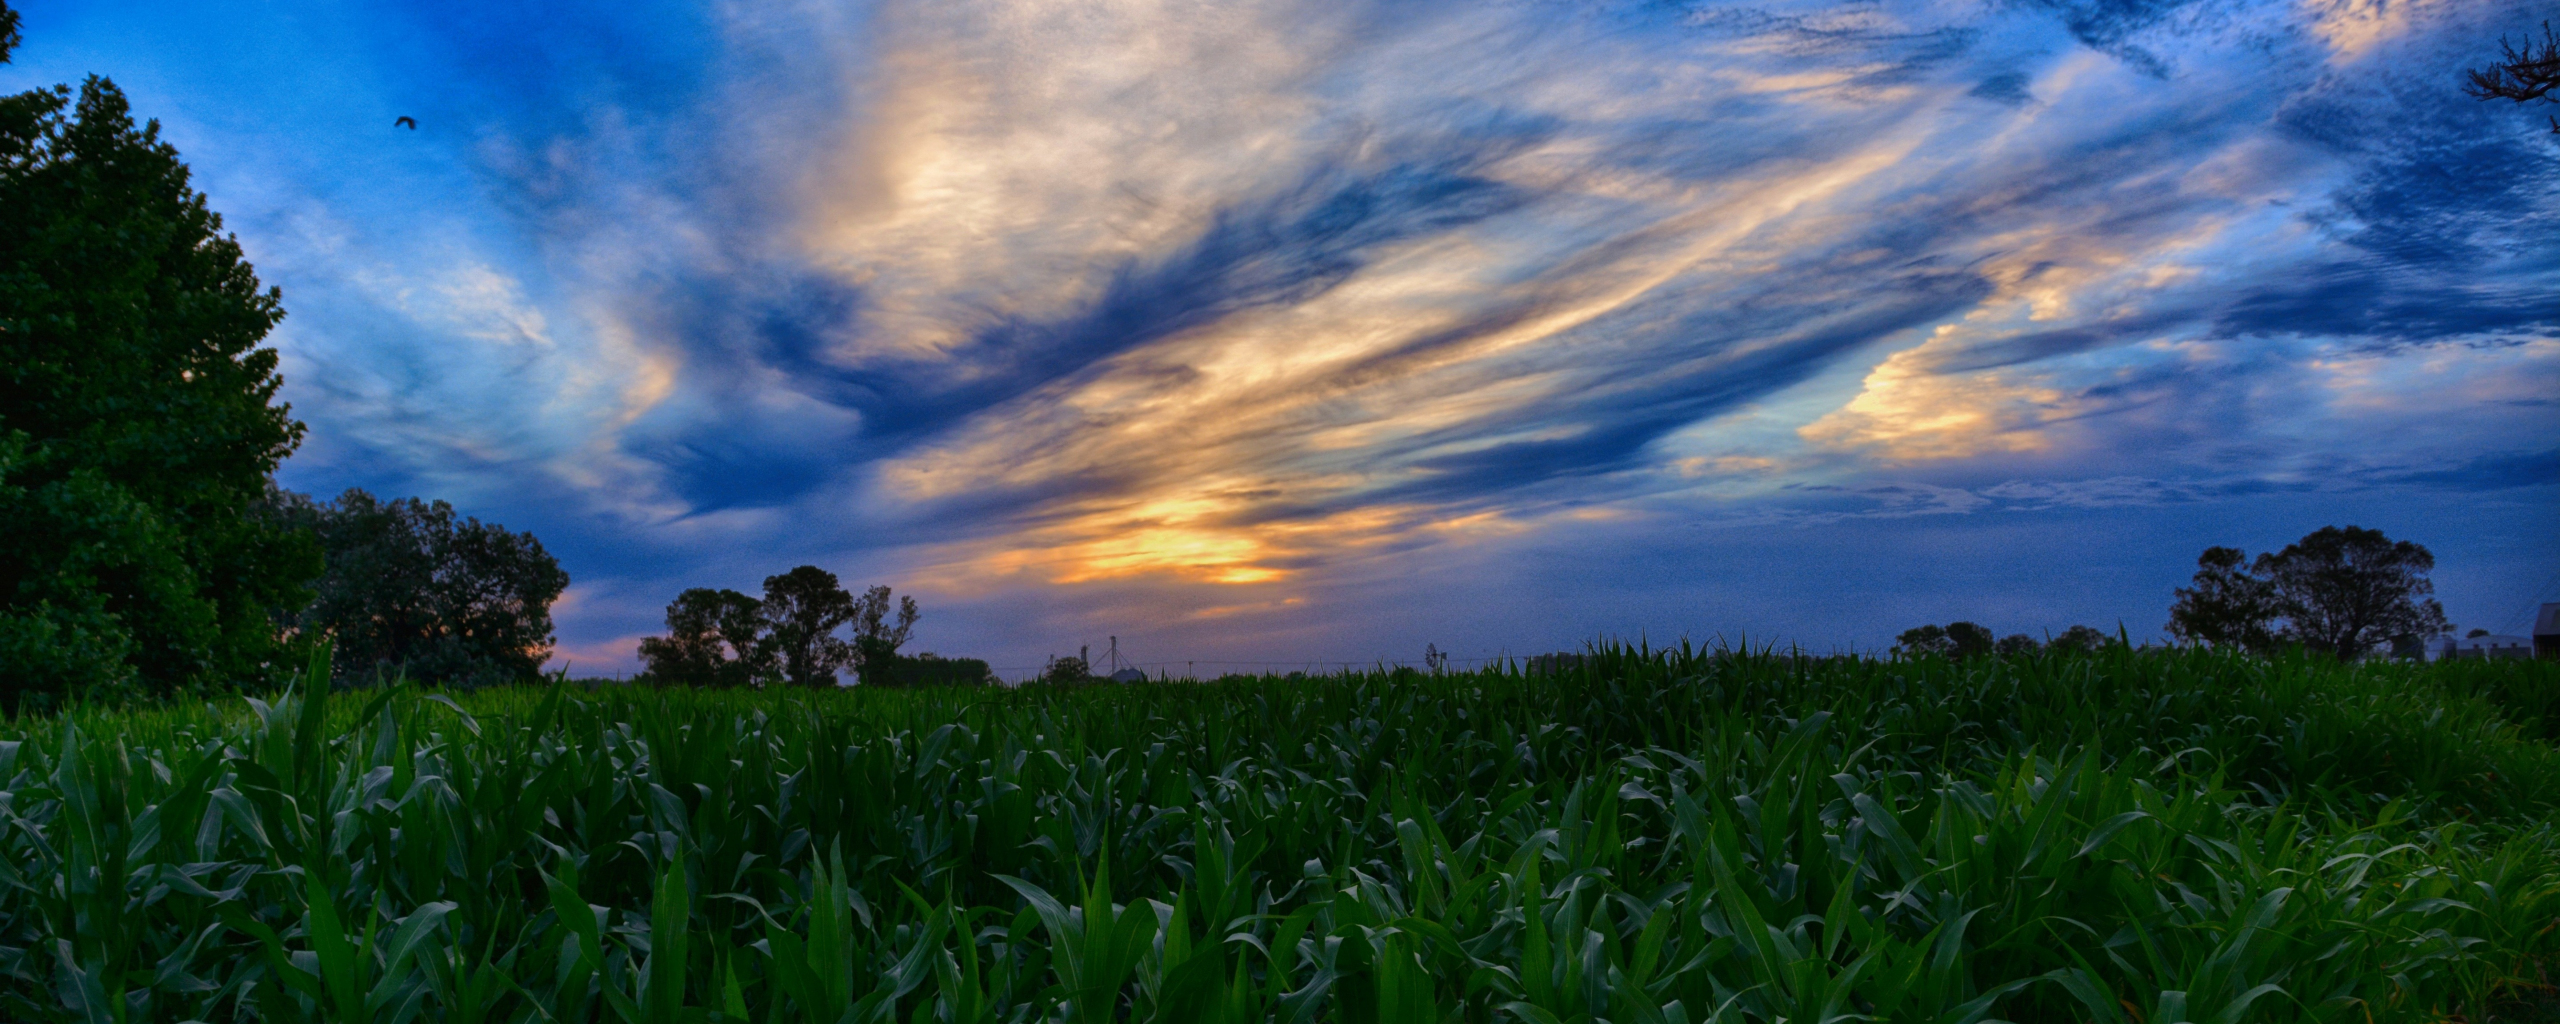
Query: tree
{"type": "Point", "coordinates": [2016, 644]}
{"type": "Point", "coordinates": [1921, 640]}
{"type": "Point", "coordinates": [725, 638]}
{"type": "Point", "coordinates": [2339, 591]}
{"type": "Point", "coordinates": [413, 588]}
{"type": "Point", "coordinates": [714, 638]}
{"type": "Point", "coordinates": [2523, 73]}
{"type": "Point", "coordinates": [927, 669]}
{"type": "Point", "coordinates": [802, 610]}
{"type": "Point", "coordinates": [2228, 606]}
{"type": "Point", "coordinates": [2077, 638]}
{"type": "Point", "coordinates": [1954, 640]}
{"type": "Point", "coordinates": [1068, 670]}
{"type": "Point", "coordinates": [875, 640]}
{"type": "Point", "coordinates": [2348, 591]}
{"type": "Point", "coordinates": [1969, 639]}
{"type": "Point", "coordinates": [138, 425]}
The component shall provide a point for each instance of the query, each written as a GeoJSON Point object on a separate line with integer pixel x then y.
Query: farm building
{"type": "Point", "coordinates": [2489, 646]}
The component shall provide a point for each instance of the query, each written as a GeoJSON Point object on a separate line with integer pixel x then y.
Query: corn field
{"type": "Point", "coordinates": [1657, 837]}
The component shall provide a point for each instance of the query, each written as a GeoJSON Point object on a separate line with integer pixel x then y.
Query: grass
{"type": "Point", "coordinates": [1661, 836]}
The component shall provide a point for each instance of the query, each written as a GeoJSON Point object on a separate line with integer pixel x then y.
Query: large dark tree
{"type": "Point", "coordinates": [2228, 606]}
{"type": "Point", "coordinates": [2524, 72]}
{"type": "Point", "coordinates": [876, 638]}
{"type": "Point", "coordinates": [413, 588]}
{"type": "Point", "coordinates": [802, 610]}
{"type": "Point", "coordinates": [2342, 591]}
{"type": "Point", "coordinates": [138, 421]}
{"type": "Point", "coordinates": [2348, 591]}
{"type": "Point", "coordinates": [714, 638]}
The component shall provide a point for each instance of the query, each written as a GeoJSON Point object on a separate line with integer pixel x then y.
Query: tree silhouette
{"type": "Point", "coordinates": [2347, 591]}
{"type": "Point", "coordinates": [2524, 72]}
{"type": "Point", "coordinates": [412, 587]}
{"type": "Point", "coordinates": [714, 638]}
{"type": "Point", "coordinates": [802, 610]}
{"type": "Point", "coordinates": [2077, 638]}
{"type": "Point", "coordinates": [876, 637]}
{"type": "Point", "coordinates": [1953, 640]}
{"type": "Point", "coordinates": [2227, 606]}
{"type": "Point", "coordinates": [2341, 591]}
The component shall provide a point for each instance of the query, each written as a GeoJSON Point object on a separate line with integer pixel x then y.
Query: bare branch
{"type": "Point", "coordinates": [2524, 72]}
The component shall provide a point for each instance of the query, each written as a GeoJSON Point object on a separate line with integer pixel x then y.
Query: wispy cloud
{"type": "Point", "coordinates": [1015, 298]}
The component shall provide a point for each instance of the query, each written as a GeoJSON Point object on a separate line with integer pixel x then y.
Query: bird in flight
{"type": "Point", "coordinates": [410, 123]}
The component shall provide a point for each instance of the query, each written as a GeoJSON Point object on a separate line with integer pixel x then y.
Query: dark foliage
{"type": "Point", "coordinates": [927, 669]}
{"type": "Point", "coordinates": [412, 588]}
{"type": "Point", "coordinates": [1070, 669]}
{"type": "Point", "coordinates": [714, 638]}
{"type": "Point", "coordinates": [1953, 640]}
{"type": "Point", "coordinates": [797, 634]}
{"type": "Point", "coordinates": [137, 417]}
{"type": "Point", "coordinates": [2077, 639]}
{"type": "Point", "coordinates": [1958, 640]}
{"type": "Point", "coordinates": [2348, 591]}
{"type": "Point", "coordinates": [2228, 606]}
{"type": "Point", "coordinates": [2339, 591]}
{"type": "Point", "coordinates": [877, 637]}
{"type": "Point", "coordinates": [803, 609]}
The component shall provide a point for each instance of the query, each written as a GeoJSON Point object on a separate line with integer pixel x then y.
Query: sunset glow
{"type": "Point", "coordinates": [1495, 326]}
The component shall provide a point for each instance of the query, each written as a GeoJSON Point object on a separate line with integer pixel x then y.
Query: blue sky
{"type": "Point", "coordinates": [1296, 332]}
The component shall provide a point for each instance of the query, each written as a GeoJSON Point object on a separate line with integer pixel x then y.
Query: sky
{"type": "Point", "coordinates": [1267, 334]}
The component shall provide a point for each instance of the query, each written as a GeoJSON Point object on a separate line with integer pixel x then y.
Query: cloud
{"type": "Point", "coordinates": [1019, 299]}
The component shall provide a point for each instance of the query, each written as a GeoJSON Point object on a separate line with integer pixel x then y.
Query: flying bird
{"type": "Point", "coordinates": [409, 122]}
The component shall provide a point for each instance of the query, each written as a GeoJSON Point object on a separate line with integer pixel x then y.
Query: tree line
{"type": "Point", "coordinates": [2341, 591]}
{"type": "Point", "coordinates": [805, 631]}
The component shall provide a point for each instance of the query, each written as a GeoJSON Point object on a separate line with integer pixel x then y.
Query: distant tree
{"type": "Point", "coordinates": [1970, 640]}
{"type": "Point", "coordinates": [2524, 73]}
{"type": "Point", "coordinates": [138, 425]}
{"type": "Point", "coordinates": [1923, 640]}
{"type": "Point", "coordinates": [802, 610]}
{"type": "Point", "coordinates": [876, 637]}
{"type": "Point", "coordinates": [413, 588]}
{"type": "Point", "coordinates": [2077, 638]}
{"type": "Point", "coordinates": [1069, 669]}
{"type": "Point", "coordinates": [714, 638]}
{"type": "Point", "coordinates": [2475, 634]}
{"type": "Point", "coordinates": [2228, 606]}
{"type": "Point", "coordinates": [2347, 591]}
{"type": "Point", "coordinates": [927, 669]}
{"type": "Point", "coordinates": [1953, 640]}
{"type": "Point", "coordinates": [2017, 643]}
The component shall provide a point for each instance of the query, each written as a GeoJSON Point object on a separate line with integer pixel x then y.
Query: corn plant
{"type": "Point", "coordinates": [1654, 837]}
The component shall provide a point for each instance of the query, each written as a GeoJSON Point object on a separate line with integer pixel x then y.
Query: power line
{"type": "Point", "coordinates": [2524, 615]}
